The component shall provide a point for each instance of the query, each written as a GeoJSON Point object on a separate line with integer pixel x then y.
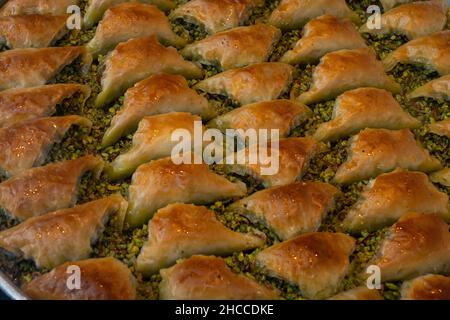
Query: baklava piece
{"type": "Point", "coordinates": [431, 52]}
{"type": "Point", "coordinates": [413, 20]}
{"type": "Point", "coordinates": [209, 278]}
{"type": "Point", "coordinates": [96, 8]}
{"type": "Point", "coordinates": [417, 244]}
{"type": "Point", "coordinates": [158, 94]}
{"type": "Point", "coordinates": [132, 20]}
{"type": "Point", "coordinates": [436, 89]}
{"type": "Point", "coordinates": [276, 164]}
{"type": "Point", "coordinates": [290, 210]}
{"type": "Point", "coordinates": [376, 151]}
{"type": "Point", "coordinates": [363, 108]}
{"type": "Point", "coordinates": [294, 14]}
{"type": "Point", "coordinates": [44, 189]}
{"type": "Point", "coordinates": [26, 145]}
{"type": "Point", "coordinates": [216, 15]}
{"type": "Point", "coordinates": [315, 262]}
{"type": "Point", "coordinates": [428, 287]}
{"type": "Point", "coordinates": [23, 104]}
{"type": "Point", "coordinates": [23, 68]}
{"type": "Point", "coordinates": [238, 47]}
{"type": "Point", "coordinates": [282, 115]}
{"type": "Point", "coordinates": [100, 279]}
{"type": "Point", "coordinates": [153, 140]}
{"type": "Point", "coordinates": [441, 177]}
{"type": "Point", "coordinates": [390, 196]}
{"type": "Point", "coordinates": [441, 128]}
{"type": "Point", "coordinates": [32, 31]}
{"type": "Point", "coordinates": [187, 183]}
{"type": "Point", "coordinates": [183, 230]}
{"type": "Point", "coordinates": [64, 235]}
{"type": "Point", "coordinates": [345, 70]}
{"type": "Point", "coordinates": [323, 35]}
{"type": "Point", "coordinates": [28, 7]}
{"type": "Point", "coordinates": [259, 82]}
{"type": "Point", "coordinates": [137, 59]}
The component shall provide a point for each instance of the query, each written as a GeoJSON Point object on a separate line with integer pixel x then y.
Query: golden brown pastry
{"type": "Point", "coordinates": [216, 15]}
{"type": "Point", "coordinates": [259, 82]}
{"type": "Point", "coordinates": [132, 20]}
{"type": "Point", "coordinates": [344, 70]}
{"type": "Point", "coordinates": [285, 163]}
{"type": "Point", "coordinates": [100, 279]}
{"type": "Point", "coordinates": [160, 93]}
{"type": "Point", "coordinates": [375, 151]}
{"type": "Point", "coordinates": [27, 7]}
{"type": "Point", "coordinates": [290, 210]}
{"type": "Point", "coordinates": [19, 105]}
{"type": "Point", "coordinates": [441, 128]}
{"type": "Point", "coordinates": [429, 287]}
{"type": "Point", "coordinates": [22, 68]}
{"type": "Point", "coordinates": [96, 8]}
{"type": "Point", "coordinates": [182, 230]}
{"type": "Point", "coordinates": [316, 262]}
{"type": "Point", "coordinates": [389, 4]}
{"type": "Point", "coordinates": [441, 177]}
{"type": "Point", "coordinates": [26, 145]}
{"type": "Point", "coordinates": [417, 244]}
{"type": "Point", "coordinates": [187, 183]}
{"type": "Point", "coordinates": [358, 293]}
{"type": "Point", "coordinates": [323, 35]}
{"type": "Point", "coordinates": [137, 59]}
{"type": "Point", "coordinates": [45, 189]}
{"type": "Point", "coordinates": [209, 278]}
{"type": "Point", "coordinates": [153, 140]}
{"type": "Point", "coordinates": [391, 195]}
{"type": "Point", "coordinates": [436, 89]}
{"type": "Point", "coordinates": [293, 14]}
{"type": "Point", "coordinates": [64, 235]}
{"type": "Point", "coordinates": [416, 19]}
{"type": "Point", "coordinates": [235, 48]}
{"type": "Point", "coordinates": [363, 108]}
{"type": "Point", "coordinates": [282, 115]}
{"type": "Point", "coordinates": [431, 52]}
{"type": "Point", "coordinates": [32, 31]}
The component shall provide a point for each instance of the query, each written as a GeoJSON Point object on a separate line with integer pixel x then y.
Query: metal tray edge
{"type": "Point", "coordinates": [10, 289]}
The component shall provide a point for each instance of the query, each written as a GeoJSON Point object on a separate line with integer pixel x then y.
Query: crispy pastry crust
{"type": "Point", "coordinates": [202, 277]}
{"type": "Point", "coordinates": [431, 52]}
{"type": "Point", "coordinates": [235, 48]}
{"type": "Point", "coordinates": [316, 262]}
{"type": "Point", "coordinates": [100, 279]}
{"type": "Point", "coordinates": [20, 105]}
{"type": "Point", "coordinates": [182, 230]}
{"type": "Point", "coordinates": [392, 195]}
{"type": "Point", "coordinates": [259, 82]}
{"type": "Point", "coordinates": [48, 188]}
{"type": "Point", "coordinates": [216, 15]}
{"type": "Point", "coordinates": [344, 70]}
{"type": "Point", "coordinates": [188, 183]}
{"type": "Point", "coordinates": [64, 235]}
{"type": "Point", "coordinates": [375, 151]}
{"type": "Point", "coordinates": [429, 287]}
{"type": "Point", "coordinates": [292, 209]}
{"type": "Point", "coordinates": [417, 244]}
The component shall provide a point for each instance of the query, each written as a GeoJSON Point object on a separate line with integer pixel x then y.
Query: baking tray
{"type": "Point", "coordinates": [10, 289]}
